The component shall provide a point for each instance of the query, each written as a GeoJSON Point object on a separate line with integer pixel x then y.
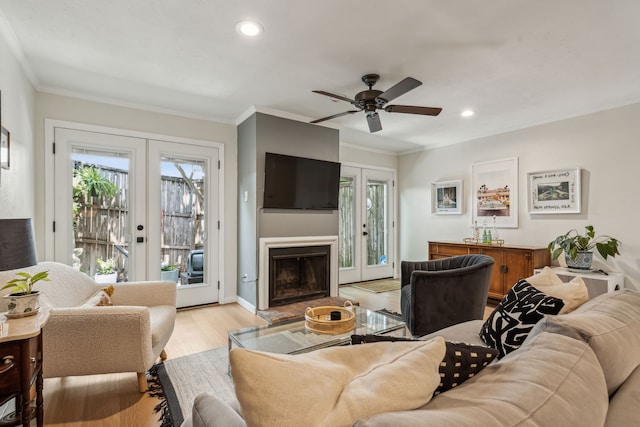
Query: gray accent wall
{"type": "Point", "coordinates": [247, 223]}
{"type": "Point", "coordinates": [257, 135]}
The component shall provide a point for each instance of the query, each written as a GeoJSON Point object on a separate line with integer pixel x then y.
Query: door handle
{"type": "Point", "coordinates": [364, 233]}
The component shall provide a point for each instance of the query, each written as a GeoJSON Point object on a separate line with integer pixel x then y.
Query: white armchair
{"type": "Point", "coordinates": [86, 340]}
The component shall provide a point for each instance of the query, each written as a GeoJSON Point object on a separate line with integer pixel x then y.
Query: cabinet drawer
{"type": "Point", "coordinates": [9, 368]}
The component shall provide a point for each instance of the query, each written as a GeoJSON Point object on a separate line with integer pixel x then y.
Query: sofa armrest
{"type": "Point", "coordinates": [209, 411]}
{"type": "Point", "coordinates": [145, 294]}
{"type": "Point", "coordinates": [97, 340]}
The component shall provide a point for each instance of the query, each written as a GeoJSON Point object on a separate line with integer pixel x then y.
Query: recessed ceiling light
{"type": "Point", "coordinates": [248, 28]}
{"type": "Point", "coordinates": [467, 113]}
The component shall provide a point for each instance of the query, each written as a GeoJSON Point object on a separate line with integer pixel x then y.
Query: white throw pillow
{"type": "Point", "coordinates": [545, 278]}
{"type": "Point", "coordinates": [573, 293]}
{"type": "Point", "coordinates": [335, 386]}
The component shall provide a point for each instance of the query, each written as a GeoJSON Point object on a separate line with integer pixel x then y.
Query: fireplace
{"type": "Point", "coordinates": [298, 274]}
{"type": "Point", "coordinates": [267, 244]}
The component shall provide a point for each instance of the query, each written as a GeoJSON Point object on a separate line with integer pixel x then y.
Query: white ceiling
{"type": "Point", "coordinates": [517, 63]}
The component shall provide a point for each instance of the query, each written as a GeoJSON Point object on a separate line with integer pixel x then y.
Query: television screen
{"type": "Point", "coordinates": [300, 183]}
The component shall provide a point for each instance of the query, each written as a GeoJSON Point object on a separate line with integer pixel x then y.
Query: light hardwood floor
{"type": "Point", "coordinates": [114, 399]}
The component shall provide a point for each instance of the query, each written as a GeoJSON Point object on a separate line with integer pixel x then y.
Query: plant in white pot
{"type": "Point", "coordinates": [106, 272]}
{"type": "Point", "coordinates": [578, 248]}
{"type": "Point", "coordinates": [168, 272]}
{"type": "Point", "coordinates": [23, 301]}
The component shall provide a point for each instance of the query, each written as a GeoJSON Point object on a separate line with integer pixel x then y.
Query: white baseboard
{"type": "Point", "coordinates": [246, 305]}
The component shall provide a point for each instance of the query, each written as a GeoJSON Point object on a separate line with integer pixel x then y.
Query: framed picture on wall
{"type": "Point", "coordinates": [447, 197]}
{"type": "Point", "coordinates": [495, 193]}
{"type": "Point", "coordinates": [4, 148]}
{"type": "Point", "coordinates": [554, 191]}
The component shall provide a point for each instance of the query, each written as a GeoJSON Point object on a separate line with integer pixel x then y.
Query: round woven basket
{"type": "Point", "coordinates": [318, 319]}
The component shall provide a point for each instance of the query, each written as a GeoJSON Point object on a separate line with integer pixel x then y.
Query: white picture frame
{"type": "Point", "coordinates": [447, 197]}
{"type": "Point", "coordinates": [494, 189]}
{"type": "Point", "coordinates": [555, 191]}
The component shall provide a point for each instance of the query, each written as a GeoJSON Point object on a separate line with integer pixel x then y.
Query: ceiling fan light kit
{"type": "Point", "coordinates": [371, 100]}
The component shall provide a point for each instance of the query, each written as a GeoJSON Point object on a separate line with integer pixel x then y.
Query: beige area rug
{"type": "Point", "coordinates": [296, 310]}
{"type": "Point", "coordinates": [184, 378]}
{"type": "Point", "coordinates": [377, 286]}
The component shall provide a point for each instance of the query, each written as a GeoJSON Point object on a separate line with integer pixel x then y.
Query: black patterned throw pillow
{"type": "Point", "coordinates": [521, 308]}
{"type": "Point", "coordinates": [461, 361]}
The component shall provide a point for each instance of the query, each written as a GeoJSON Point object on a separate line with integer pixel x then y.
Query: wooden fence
{"type": "Point", "coordinates": [101, 224]}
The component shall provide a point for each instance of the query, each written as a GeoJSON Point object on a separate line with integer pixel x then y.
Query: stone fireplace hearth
{"type": "Point", "coordinates": [308, 269]}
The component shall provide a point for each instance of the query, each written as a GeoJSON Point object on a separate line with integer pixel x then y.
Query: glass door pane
{"type": "Point", "coordinates": [347, 223]}
{"type": "Point", "coordinates": [101, 214]}
{"type": "Point", "coordinates": [182, 220]}
{"type": "Point", "coordinates": [377, 247]}
{"type": "Point", "coordinates": [350, 225]}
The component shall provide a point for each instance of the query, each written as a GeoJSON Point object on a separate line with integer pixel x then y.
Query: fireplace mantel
{"type": "Point", "coordinates": [267, 243]}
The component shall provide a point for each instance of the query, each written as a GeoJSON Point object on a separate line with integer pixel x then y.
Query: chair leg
{"type": "Point", "coordinates": [142, 382]}
{"type": "Point", "coordinates": [163, 354]}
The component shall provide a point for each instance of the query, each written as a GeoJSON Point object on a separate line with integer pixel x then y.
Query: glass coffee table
{"type": "Point", "coordinates": [294, 338]}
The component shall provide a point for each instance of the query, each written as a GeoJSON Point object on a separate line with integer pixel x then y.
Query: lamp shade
{"type": "Point", "coordinates": [17, 245]}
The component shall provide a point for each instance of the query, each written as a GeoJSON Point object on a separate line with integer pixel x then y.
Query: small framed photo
{"type": "Point", "coordinates": [447, 197]}
{"type": "Point", "coordinates": [554, 191]}
{"type": "Point", "coordinates": [4, 148]}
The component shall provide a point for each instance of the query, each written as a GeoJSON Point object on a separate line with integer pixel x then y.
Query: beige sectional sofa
{"type": "Point", "coordinates": [578, 369]}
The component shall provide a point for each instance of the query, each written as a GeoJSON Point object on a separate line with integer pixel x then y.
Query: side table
{"type": "Point", "coordinates": [597, 283]}
{"type": "Point", "coordinates": [21, 366]}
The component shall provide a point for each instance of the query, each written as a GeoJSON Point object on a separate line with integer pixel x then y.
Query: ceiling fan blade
{"type": "Point", "coordinates": [425, 111]}
{"type": "Point", "coordinates": [400, 89]}
{"type": "Point", "coordinates": [334, 96]}
{"type": "Point", "coordinates": [334, 116]}
{"type": "Point", "coordinates": [373, 120]}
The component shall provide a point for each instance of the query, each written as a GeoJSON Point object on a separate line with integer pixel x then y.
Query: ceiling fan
{"type": "Point", "coordinates": [371, 100]}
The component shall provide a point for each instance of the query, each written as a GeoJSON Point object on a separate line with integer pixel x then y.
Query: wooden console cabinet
{"type": "Point", "coordinates": [511, 262]}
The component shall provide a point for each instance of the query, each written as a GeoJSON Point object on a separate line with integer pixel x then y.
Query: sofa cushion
{"type": "Point", "coordinates": [461, 361]}
{"type": "Point", "coordinates": [573, 293]}
{"type": "Point", "coordinates": [335, 386]}
{"type": "Point", "coordinates": [521, 308]}
{"type": "Point", "coordinates": [610, 323]}
{"type": "Point", "coordinates": [624, 404]}
{"type": "Point", "coordinates": [536, 386]}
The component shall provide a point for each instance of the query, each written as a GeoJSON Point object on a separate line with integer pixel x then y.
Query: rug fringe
{"type": "Point", "coordinates": [156, 391]}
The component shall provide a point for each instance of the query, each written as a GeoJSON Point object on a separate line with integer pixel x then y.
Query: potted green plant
{"type": "Point", "coordinates": [168, 272]}
{"type": "Point", "coordinates": [106, 272]}
{"type": "Point", "coordinates": [23, 301]}
{"type": "Point", "coordinates": [578, 248]}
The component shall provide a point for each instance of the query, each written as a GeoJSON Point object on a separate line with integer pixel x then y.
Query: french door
{"type": "Point", "coordinates": [366, 238]}
{"type": "Point", "coordinates": [144, 207]}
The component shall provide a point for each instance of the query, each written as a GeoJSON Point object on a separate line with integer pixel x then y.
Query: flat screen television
{"type": "Point", "coordinates": [299, 183]}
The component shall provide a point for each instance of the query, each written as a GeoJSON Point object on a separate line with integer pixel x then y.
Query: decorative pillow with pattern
{"type": "Point", "coordinates": [521, 308]}
{"type": "Point", "coordinates": [461, 361]}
